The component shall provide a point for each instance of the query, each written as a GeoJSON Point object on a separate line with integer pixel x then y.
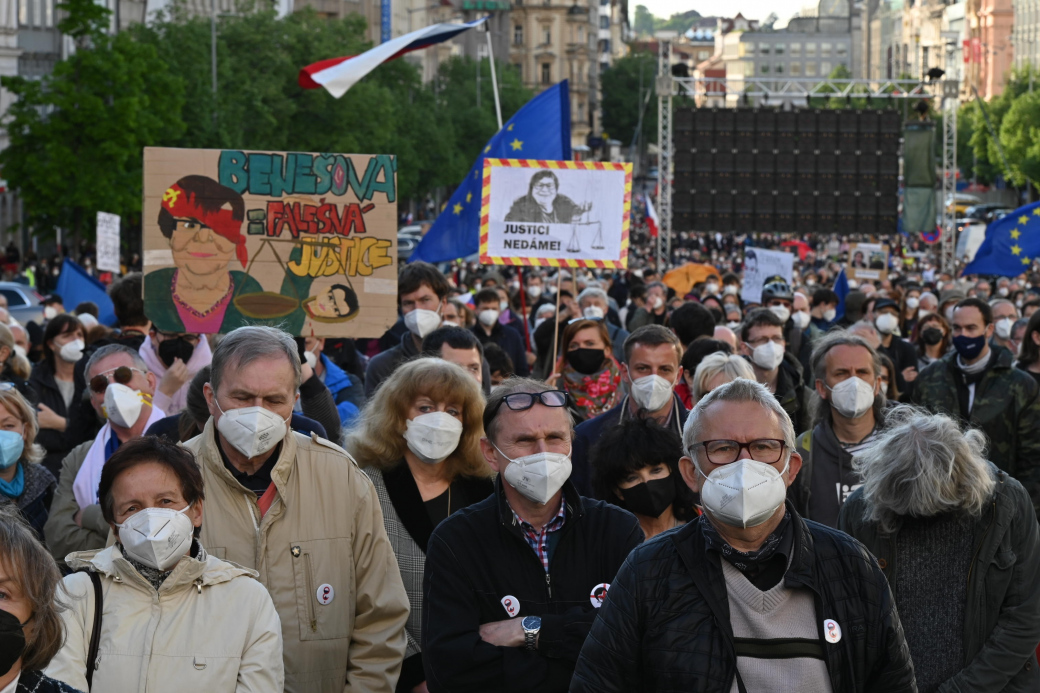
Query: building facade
{"type": "Point", "coordinates": [553, 41]}
{"type": "Point", "coordinates": [1025, 35]}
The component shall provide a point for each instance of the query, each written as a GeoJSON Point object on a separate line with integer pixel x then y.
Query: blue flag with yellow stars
{"type": "Point", "coordinates": [539, 130]}
{"type": "Point", "coordinates": [1011, 245]}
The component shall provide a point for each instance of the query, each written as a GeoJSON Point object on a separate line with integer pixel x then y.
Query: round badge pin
{"type": "Point", "coordinates": [599, 594]}
{"type": "Point", "coordinates": [511, 605]}
{"type": "Point", "coordinates": [325, 594]}
{"type": "Point", "coordinates": [831, 631]}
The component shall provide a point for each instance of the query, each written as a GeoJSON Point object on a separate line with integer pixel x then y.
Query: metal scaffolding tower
{"type": "Point", "coordinates": [949, 176]}
{"type": "Point", "coordinates": [777, 92]}
{"type": "Point", "coordinates": [665, 89]}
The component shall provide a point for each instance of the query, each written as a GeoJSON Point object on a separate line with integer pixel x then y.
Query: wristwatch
{"type": "Point", "coordinates": [531, 626]}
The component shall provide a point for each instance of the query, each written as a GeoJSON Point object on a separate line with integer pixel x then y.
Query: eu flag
{"type": "Point", "coordinates": [539, 130]}
{"type": "Point", "coordinates": [1011, 244]}
{"type": "Point", "coordinates": [841, 287]}
{"type": "Point", "coordinates": [74, 282]}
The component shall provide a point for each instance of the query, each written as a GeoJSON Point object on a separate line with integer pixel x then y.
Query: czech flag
{"type": "Point", "coordinates": [651, 218]}
{"type": "Point", "coordinates": [338, 75]}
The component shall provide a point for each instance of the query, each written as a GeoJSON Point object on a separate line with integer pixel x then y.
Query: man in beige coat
{"type": "Point", "coordinates": [299, 512]}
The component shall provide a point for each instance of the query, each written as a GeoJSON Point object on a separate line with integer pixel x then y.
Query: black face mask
{"type": "Point", "coordinates": [932, 336]}
{"type": "Point", "coordinates": [176, 348]}
{"type": "Point", "coordinates": [586, 361]}
{"type": "Point", "coordinates": [649, 498]}
{"type": "Point", "coordinates": [12, 640]}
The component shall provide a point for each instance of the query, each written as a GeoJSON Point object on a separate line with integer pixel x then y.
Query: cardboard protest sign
{"type": "Point", "coordinates": [867, 261]}
{"type": "Point", "coordinates": [555, 213]}
{"type": "Point", "coordinates": [108, 242]}
{"type": "Point", "coordinates": [304, 242]}
{"type": "Point", "coordinates": [759, 266]}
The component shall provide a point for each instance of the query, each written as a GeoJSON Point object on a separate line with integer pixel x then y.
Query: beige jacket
{"type": "Point", "coordinates": [323, 554]}
{"type": "Point", "coordinates": [210, 627]}
{"type": "Point", "coordinates": [62, 533]}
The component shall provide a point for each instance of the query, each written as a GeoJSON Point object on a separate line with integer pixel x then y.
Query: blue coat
{"type": "Point", "coordinates": [587, 434]}
{"type": "Point", "coordinates": [348, 395]}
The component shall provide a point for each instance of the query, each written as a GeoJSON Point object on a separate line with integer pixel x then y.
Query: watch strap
{"type": "Point", "coordinates": [531, 639]}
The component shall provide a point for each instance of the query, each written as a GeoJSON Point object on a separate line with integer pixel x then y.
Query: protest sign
{"type": "Point", "coordinates": [108, 242]}
{"type": "Point", "coordinates": [304, 242]}
{"type": "Point", "coordinates": [555, 213]}
{"type": "Point", "coordinates": [867, 261]}
{"type": "Point", "coordinates": [759, 266]}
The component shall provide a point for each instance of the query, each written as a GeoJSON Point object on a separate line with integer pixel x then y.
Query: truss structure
{"type": "Point", "coordinates": [948, 243]}
{"type": "Point", "coordinates": [773, 92]}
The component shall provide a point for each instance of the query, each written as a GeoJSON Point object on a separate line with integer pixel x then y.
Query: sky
{"type": "Point", "coordinates": [752, 9]}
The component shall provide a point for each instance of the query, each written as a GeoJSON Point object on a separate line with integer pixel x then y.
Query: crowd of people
{"type": "Point", "coordinates": [549, 481]}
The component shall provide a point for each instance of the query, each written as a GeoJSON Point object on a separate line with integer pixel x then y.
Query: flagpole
{"type": "Point", "coordinates": [494, 78]}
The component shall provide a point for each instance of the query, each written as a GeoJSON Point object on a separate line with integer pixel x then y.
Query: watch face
{"type": "Point", "coordinates": [531, 622]}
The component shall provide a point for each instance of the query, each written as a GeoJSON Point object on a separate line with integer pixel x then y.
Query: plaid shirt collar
{"type": "Point", "coordinates": [538, 540]}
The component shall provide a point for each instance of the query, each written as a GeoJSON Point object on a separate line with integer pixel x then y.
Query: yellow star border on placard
{"type": "Point", "coordinates": [516, 145]}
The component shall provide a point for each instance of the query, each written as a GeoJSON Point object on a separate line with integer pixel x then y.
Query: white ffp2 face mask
{"type": "Point", "coordinates": [251, 430]}
{"type": "Point", "coordinates": [488, 317]}
{"type": "Point", "coordinates": [801, 319]}
{"type": "Point", "coordinates": [830, 314]}
{"type": "Point", "coordinates": [1003, 328]}
{"type": "Point", "coordinates": [157, 537]}
{"type": "Point", "coordinates": [593, 313]}
{"type": "Point", "coordinates": [434, 436]}
{"type": "Point", "coordinates": [768, 356]}
{"type": "Point", "coordinates": [422, 322]}
{"type": "Point", "coordinates": [913, 302]}
{"type": "Point", "coordinates": [782, 312]}
{"type": "Point", "coordinates": [123, 404]}
{"type": "Point", "coordinates": [539, 476]}
{"type": "Point", "coordinates": [852, 397]}
{"type": "Point", "coordinates": [71, 352]}
{"type": "Point", "coordinates": [745, 493]}
{"type": "Point", "coordinates": [886, 323]}
{"type": "Point", "coordinates": [310, 358]}
{"type": "Point", "coordinates": [651, 392]}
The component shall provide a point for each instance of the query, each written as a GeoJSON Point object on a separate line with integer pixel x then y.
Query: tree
{"type": "Point", "coordinates": [1020, 137]}
{"type": "Point", "coordinates": [622, 98]}
{"type": "Point", "coordinates": [644, 22]}
{"type": "Point", "coordinates": [76, 135]}
{"type": "Point", "coordinates": [982, 138]}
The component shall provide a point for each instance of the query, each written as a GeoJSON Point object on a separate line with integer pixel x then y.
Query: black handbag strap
{"type": "Point", "coordinates": [95, 634]}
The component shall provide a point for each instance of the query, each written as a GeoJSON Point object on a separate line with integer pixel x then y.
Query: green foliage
{"type": "Point", "coordinates": [77, 134]}
{"type": "Point", "coordinates": [1020, 137]}
{"type": "Point", "coordinates": [980, 137]}
{"type": "Point", "coordinates": [621, 98]}
{"type": "Point", "coordinates": [644, 22]}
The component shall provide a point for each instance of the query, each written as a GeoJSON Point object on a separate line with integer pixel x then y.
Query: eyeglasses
{"type": "Point", "coordinates": [122, 375]}
{"type": "Point", "coordinates": [767, 450]}
{"type": "Point", "coordinates": [522, 401]}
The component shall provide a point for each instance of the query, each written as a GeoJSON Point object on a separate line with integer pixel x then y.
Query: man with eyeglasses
{"type": "Point", "coordinates": [513, 584]}
{"type": "Point", "coordinates": [750, 597]}
{"type": "Point", "coordinates": [763, 344]}
{"type": "Point", "coordinates": [121, 390]}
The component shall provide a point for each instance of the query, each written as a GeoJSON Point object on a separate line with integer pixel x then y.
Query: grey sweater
{"type": "Point", "coordinates": [762, 620]}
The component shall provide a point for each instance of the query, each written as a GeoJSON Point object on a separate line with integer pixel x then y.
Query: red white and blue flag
{"type": "Point", "coordinates": [338, 75]}
{"type": "Point", "coordinates": [652, 219]}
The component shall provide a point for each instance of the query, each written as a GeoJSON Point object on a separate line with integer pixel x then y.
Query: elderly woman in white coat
{"type": "Point", "coordinates": [173, 618]}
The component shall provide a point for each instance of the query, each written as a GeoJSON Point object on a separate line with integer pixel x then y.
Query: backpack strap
{"type": "Point", "coordinates": [95, 634]}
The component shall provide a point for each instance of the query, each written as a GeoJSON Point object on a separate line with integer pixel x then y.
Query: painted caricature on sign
{"type": "Point", "coordinates": [202, 222]}
{"type": "Point", "coordinates": [304, 242]}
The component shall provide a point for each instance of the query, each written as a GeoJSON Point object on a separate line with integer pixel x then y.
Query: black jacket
{"type": "Point", "coordinates": [665, 625]}
{"type": "Point", "coordinates": [791, 393]}
{"type": "Point", "coordinates": [511, 342]}
{"type": "Point", "coordinates": [1001, 624]}
{"type": "Point", "coordinates": [478, 557]}
{"type": "Point", "coordinates": [588, 433]}
{"type": "Point", "coordinates": [822, 454]}
{"type": "Point", "coordinates": [55, 443]}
